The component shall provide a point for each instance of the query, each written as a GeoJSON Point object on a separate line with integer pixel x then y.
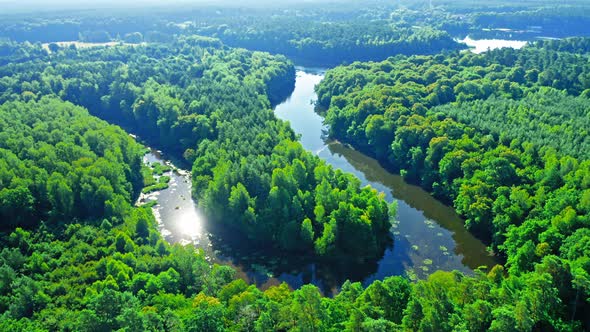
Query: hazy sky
{"type": "Point", "coordinates": [61, 4]}
{"type": "Point", "coordinates": [35, 5]}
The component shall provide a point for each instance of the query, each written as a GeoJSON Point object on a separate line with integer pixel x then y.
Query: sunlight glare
{"type": "Point", "coordinates": [190, 225]}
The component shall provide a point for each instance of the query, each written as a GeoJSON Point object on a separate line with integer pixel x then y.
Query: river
{"type": "Point", "coordinates": [428, 236]}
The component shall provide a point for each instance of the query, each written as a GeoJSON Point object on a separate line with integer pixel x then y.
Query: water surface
{"type": "Point", "coordinates": [478, 46]}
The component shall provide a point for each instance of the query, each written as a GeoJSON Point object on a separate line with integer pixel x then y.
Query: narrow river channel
{"type": "Point", "coordinates": [428, 236]}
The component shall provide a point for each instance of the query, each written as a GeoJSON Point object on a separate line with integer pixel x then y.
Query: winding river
{"type": "Point", "coordinates": [428, 236]}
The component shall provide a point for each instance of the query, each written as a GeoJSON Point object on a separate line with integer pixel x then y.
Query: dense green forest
{"type": "Point", "coordinates": [85, 259]}
{"type": "Point", "coordinates": [217, 115]}
{"type": "Point", "coordinates": [321, 37]}
{"type": "Point", "coordinates": [324, 33]}
{"type": "Point", "coordinates": [317, 39]}
{"type": "Point", "coordinates": [502, 135]}
{"type": "Point", "coordinates": [59, 164]}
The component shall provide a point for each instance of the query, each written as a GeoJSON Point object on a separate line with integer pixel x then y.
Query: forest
{"type": "Point", "coordinates": [91, 173]}
{"type": "Point", "coordinates": [323, 34]}
{"type": "Point", "coordinates": [207, 114]}
{"type": "Point", "coordinates": [319, 40]}
{"type": "Point", "coordinates": [501, 136]}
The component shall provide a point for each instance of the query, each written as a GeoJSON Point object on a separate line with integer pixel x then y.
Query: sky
{"type": "Point", "coordinates": [33, 5]}
{"type": "Point", "coordinates": [50, 5]}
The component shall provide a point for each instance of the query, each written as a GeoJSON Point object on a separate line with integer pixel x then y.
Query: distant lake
{"type": "Point", "coordinates": [478, 46]}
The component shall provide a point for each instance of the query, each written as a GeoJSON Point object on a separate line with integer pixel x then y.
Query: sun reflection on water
{"type": "Point", "coordinates": [177, 214]}
{"type": "Point", "coordinates": [189, 224]}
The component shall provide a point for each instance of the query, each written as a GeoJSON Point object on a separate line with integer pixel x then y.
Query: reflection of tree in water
{"type": "Point", "coordinates": [472, 249]}
{"type": "Point", "coordinates": [262, 263]}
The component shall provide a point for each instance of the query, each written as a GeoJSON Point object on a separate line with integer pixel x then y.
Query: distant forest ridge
{"type": "Point", "coordinates": [324, 34]}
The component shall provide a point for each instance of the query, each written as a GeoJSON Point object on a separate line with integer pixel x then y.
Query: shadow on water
{"type": "Point", "coordinates": [413, 198]}
{"type": "Point", "coordinates": [267, 266]}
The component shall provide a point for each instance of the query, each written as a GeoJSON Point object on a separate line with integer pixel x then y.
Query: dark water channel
{"type": "Point", "coordinates": [428, 235]}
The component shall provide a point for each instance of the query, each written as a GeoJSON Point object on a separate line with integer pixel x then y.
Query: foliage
{"type": "Point", "coordinates": [492, 134]}
{"type": "Point", "coordinates": [76, 255]}
{"type": "Point", "coordinates": [321, 39]}
{"type": "Point", "coordinates": [217, 114]}
{"type": "Point", "coordinates": [58, 163]}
